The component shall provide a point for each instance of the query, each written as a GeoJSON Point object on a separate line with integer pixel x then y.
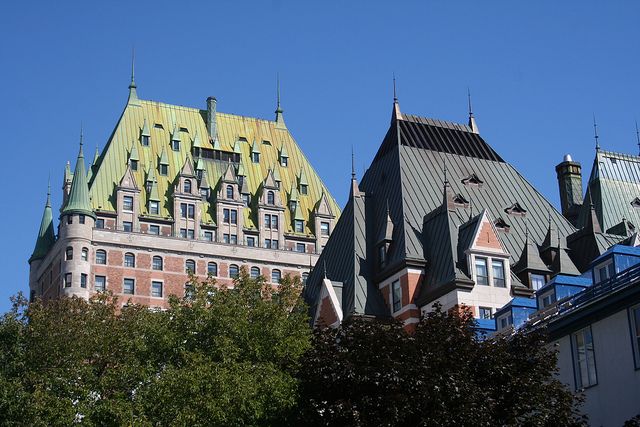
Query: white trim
{"type": "Point", "coordinates": [327, 290]}
{"type": "Point", "coordinates": [405, 309]}
{"type": "Point", "coordinates": [411, 321]}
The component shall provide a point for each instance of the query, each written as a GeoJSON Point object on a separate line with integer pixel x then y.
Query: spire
{"type": "Point", "coordinates": [638, 137]}
{"type": "Point", "coordinates": [133, 94]}
{"type": "Point", "coordinates": [595, 133]}
{"type": "Point", "coordinates": [79, 201]}
{"type": "Point", "coordinates": [593, 224]}
{"type": "Point", "coordinates": [472, 120]}
{"type": "Point", "coordinates": [395, 114]}
{"type": "Point", "coordinates": [353, 164]}
{"type": "Point", "coordinates": [46, 236]}
{"type": "Point", "coordinates": [279, 116]}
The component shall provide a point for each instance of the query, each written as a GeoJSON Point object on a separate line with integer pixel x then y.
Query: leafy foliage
{"type": "Point", "coordinates": [374, 373]}
{"type": "Point", "coordinates": [219, 356]}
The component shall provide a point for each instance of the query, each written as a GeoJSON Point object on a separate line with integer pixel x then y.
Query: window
{"type": "Point", "coordinates": [634, 314]}
{"type": "Point", "coordinates": [482, 274]}
{"type": "Point", "coordinates": [69, 219]}
{"type": "Point", "coordinates": [396, 294]}
{"type": "Point", "coordinates": [292, 205]}
{"type": "Point", "coordinates": [537, 281]}
{"type": "Point", "coordinates": [154, 207]}
{"type": "Point", "coordinates": [274, 244]}
{"type": "Point", "coordinates": [212, 269]}
{"type": "Point", "coordinates": [144, 140]}
{"type": "Point", "coordinates": [305, 276]}
{"type": "Point", "coordinates": [190, 266]}
{"type": "Point", "coordinates": [101, 257]}
{"type": "Point", "coordinates": [498, 273]}
{"type": "Point", "coordinates": [164, 169]}
{"type": "Point", "coordinates": [255, 157]}
{"type": "Point", "coordinates": [299, 226]}
{"type": "Point", "coordinates": [304, 188]}
{"type": "Point", "coordinates": [225, 238]}
{"type": "Point", "coordinates": [234, 239]}
{"type": "Point", "coordinates": [234, 216]}
{"type": "Point", "coordinates": [208, 236]}
{"type": "Point", "coordinates": [191, 234]}
{"type": "Point", "coordinates": [605, 271]}
{"type": "Point", "coordinates": [251, 241]}
{"type": "Point", "coordinates": [83, 280]}
{"type": "Point", "coordinates": [274, 222]}
{"type": "Point", "coordinates": [134, 165]}
{"type": "Point", "coordinates": [233, 271]}
{"type": "Point", "coordinates": [284, 161]}
{"type": "Point", "coordinates": [382, 256]}
{"type": "Point", "coordinates": [225, 216]}
{"type": "Point", "coordinates": [255, 272]}
{"type": "Point", "coordinates": [67, 280]}
{"type": "Point", "coordinates": [100, 283]}
{"type": "Point", "coordinates": [267, 221]}
{"type": "Point", "coordinates": [187, 186]}
{"type": "Point", "coordinates": [69, 253]}
{"type": "Point", "coordinates": [81, 219]}
{"type": "Point", "coordinates": [127, 203]}
{"type": "Point", "coordinates": [548, 299]}
{"type": "Point", "coordinates": [99, 223]}
{"type": "Point", "coordinates": [270, 198]}
{"type": "Point", "coordinates": [129, 260]}
{"type": "Point", "coordinates": [183, 233]}
{"type": "Point", "coordinates": [175, 145]}
{"type": "Point", "coordinates": [156, 289]}
{"type": "Point", "coordinates": [324, 228]}
{"type": "Point", "coordinates": [267, 243]}
{"type": "Point", "coordinates": [127, 226]}
{"type": "Point", "coordinates": [276, 276]}
{"type": "Point", "coordinates": [485, 313]}
{"type": "Point", "coordinates": [183, 210]}
{"type": "Point", "coordinates": [229, 192]}
{"type": "Point", "coordinates": [584, 361]}
{"type": "Point", "coordinates": [246, 198]}
{"type": "Point", "coordinates": [204, 192]}
{"type": "Point", "coordinates": [506, 321]}
{"type": "Point", "coordinates": [129, 287]}
{"type": "Point", "coordinates": [157, 263]}
{"type": "Point", "coordinates": [154, 229]}
{"type": "Point", "coordinates": [189, 290]}
{"type": "Point", "coordinates": [300, 247]}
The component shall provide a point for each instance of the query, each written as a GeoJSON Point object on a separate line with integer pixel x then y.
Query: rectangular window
{"type": "Point", "coordinates": [255, 157]}
{"type": "Point", "coordinates": [274, 222]}
{"type": "Point", "coordinates": [81, 218]}
{"type": "Point", "coordinates": [83, 280]}
{"type": "Point", "coordinates": [164, 169]}
{"type": "Point", "coordinates": [134, 165]}
{"type": "Point", "coordinates": [183, 233]}
{"type": "Point", "coordinates": [274, 244]}
{"type": "Point", "coordinates": [156, 289]}
{"type": "Point", "coordinates": [225, 216]}
{"type": "Point", "coordinates": [267, 221]}
{"type": "Point", "coordinates": [482, 274]}
{"type": "Point", "coordinates": [634, 322]}
{"type": "Point", "coordinates": [299, 226]}
{"type": "Point", "coordinates": [498, 273]}
{"type": "Point", "coordinates": [154, 207]}
{"type": "Point", "coordinates": [191, 234]}
{"type": "Point", "coordinates": [267, 243]}
{"type": "Point", "coordinates": [127, 226]}
{"type": "Point", "coordinates": [300, 247]}
{"type": "Point", "coordinates": [183, 210]}
{"type": "Point", "coordinates": [304, 189]}
{"type": "Point", "coordinates": [234, 239]}
{"type": "Point", "coordinates": [154, 229]}
{"type": "Point", "coordinates": [208, 236]}
{"type": "Point", "coordinates": [251, 241]}
{"type": "Point", "coordinates": [324, 228]}
{"type": "Point", "coordinates": [67, 280]}
{"type": "Point", "coordinates": [129, 287]}
{"type": "Point", "coordinates": [191, 211]}
{"type": "Point", "coordinates": [145, 141]}
{"type": "Point", "coordinates": [584, 361]}
{"type": "Point", "coordinates": [396, 295]}
{"type": "Point", "coordinates": [234, 216]}
{"type": "Point", "coordinates": [485, 312]}
{"type": "Point", "coordinates": [246, 199]}
{"type": "Point", "coordinates": [225, 238]}
{"type": "Point", "coordinates": [127, 203]}
{"type": "Point", "coordinates": [69, 219]}
{"type": "Point", "coordinates": [537, 281]}
{"type": "Point", "coordinates": [548, 299]}
{"type": "Point", "coordinates": [605, 272]}
{"type": "Point", "coordinates": [100, 283]}
{"type": "Point", "coordinates": [99, 223]}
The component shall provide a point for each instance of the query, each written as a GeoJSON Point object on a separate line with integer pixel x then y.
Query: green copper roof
{"type": "Point", "coordinates": [241, 171]}
{"type": "Point", "coordinates": [154, 194]}
{"type": "Point", "coordinates": [145, 129]}
{"type": "Point", "coordinates": [196, 141]}
{"type": "Point", "coordinates": [46, 236]}
{"type": "Point", "coordinates": [175, 134]}
{"type": "Point", "coordinates": [79, 201]}
{"type": "Point", "coordinates": [298, 213]}
{"type": "Point", "coordinates": [255, 147]}
{"type": "Point", "coordinates": [134, 152]}
{"type": "Point", "coordinates": [164, 160]}
{"type": "Point", "coordinates": [302, 179]}
{"type": "Point", "coordinates": [293, 195]}
{"type": "Point", "coordinates": [283, 152]}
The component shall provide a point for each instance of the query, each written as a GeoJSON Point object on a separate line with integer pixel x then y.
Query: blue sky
{"type": "Point", "coordinates": [538, 71]}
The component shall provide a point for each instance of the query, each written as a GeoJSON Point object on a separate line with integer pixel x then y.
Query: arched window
{"type": "Point", "coordinates": [255, 272]}
{"type": "Point", "coordinates": [187, 186]}
{"type": "Point", "coordinates": [157, 263]}
{"type": "Point", "coordinates": [305, 276]}
{"type": "Point", "coordinates": [276, 276]}
{"type": "Point", "coordinates": [85, 254]}
{"type": "Point", "coordinates": [129, 260]}
{"type": "Point", "coordinates": [212, 268]}
{"type": "Point", "coordinates": [270, 198]}
{"type": "Point", "coordinates": [189, 290]}
{"type": "Point", "coordinates": [233, 271]}
{"type": "Point", "coordinates": [190, 266]}
{"type": "Point", "coordinates": [101, 257]}
{"type": "Point", "coordinates": [229, 192]}
{"type": "Point", "coordinates": [69, 253]}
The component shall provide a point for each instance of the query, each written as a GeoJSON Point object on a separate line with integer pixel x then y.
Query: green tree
{"type": "Point", "coordinates": [373, 373]}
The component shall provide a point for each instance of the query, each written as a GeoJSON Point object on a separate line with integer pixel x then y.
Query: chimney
{"type": "Point", "coordinates": [211, 117]}
{"type": "Point", "coordinates": [570, 186]}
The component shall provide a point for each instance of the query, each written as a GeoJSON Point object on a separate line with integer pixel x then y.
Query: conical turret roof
{"type": "Point", "coordinates": [46, 236]}
{"type": "Point", "coordinates": [79, 201]}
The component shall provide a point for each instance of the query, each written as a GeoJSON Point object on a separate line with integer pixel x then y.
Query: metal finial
{"type": "Point", "coordinates": [278, 109]}
{"type": "Point", "coordinates": [395, 95]}
{"type": "Point", "coordinates": [638, 137]}
{"type": "Point", "coordinates": [133, 68]}
{"type": "Point", "coordinates": [444, 170]}
{"type": "Point", "coordinates": [595, 132]}
{"type": "Point", "coordinates": [353, 164]}
{"type": "Point", "coordinates": [81, 135]}
{"type": "Point", "coordinates": [469, 100]}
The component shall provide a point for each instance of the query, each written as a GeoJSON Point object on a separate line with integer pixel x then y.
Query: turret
{"type": "Point", "coordinates": [570, 186]}
{"type": "Point", "coordinates": [44, 242]}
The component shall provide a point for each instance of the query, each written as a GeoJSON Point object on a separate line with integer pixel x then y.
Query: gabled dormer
{"type": "Point", "coordinates": [270, 196]}
{"type": "Point", "coordinates": [128, 201]}
{"type": "Point", "coordinates": [187, 184]}
{"type": "Point", "coordinates": [294, 198]}
{"type": "Point", "coordinates": [255, 152]}
{"type": "Point", "coordinates": [516, 210]}
{"type": "Point", "coordinates": [196, 144]}
{"type": "Point", "coordinates": [145, 134]}
{"type": "Point", "coordinates": [134, 157]}
{"type": "Point", "coordinates": [303, 183]}
{"type": "Point", "coordinates": [163, 163]}
{"type": "Point", "coordinates": [284, 156]}
{"type": "Point", "coordinates": [324, 221]}
{"type": "Point", "coordinates": [175, 138]}
{"type": "Point", "coordinates": [472, 180]}
{"type": "Point", "coordinates": [530, 268]}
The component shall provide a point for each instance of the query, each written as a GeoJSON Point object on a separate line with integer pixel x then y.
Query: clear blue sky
{"type": "Point", "coordinates": [537, 72]}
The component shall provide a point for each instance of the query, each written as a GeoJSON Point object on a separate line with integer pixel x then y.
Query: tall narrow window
{"type": "Point", "coordinates": [83, 280]}
{"type": "Point", "coordinates": [100, 283]}
{"type": "Point", "coordinates": [233, 271]}
{"type": "Point", "coordinates": [69, 253]}
{"type": "Point", "coordinates": [101, 257]}
{"type": "Point", "coordinates": [129, 287]}
{"type": "Point", "coordinates": [498, 273]}
{"type": "Point", "coordinates": [267, 221]}
{"type": "Point", "coordinates": [584, 360]}
{"type": "Point", "coordinates": [212, 269]}
{"type": "Point", "coordinates": [225, 216]}
{"type": "Point", "coordinates": [537, 281]}
{"type": "Point", "coordinates": [157, 263]}
{"type": "Point", "coordinates": [187, 186]}
{"type": "Point", "coordinates": [397, 295]}
{"type": "Point", "coordinates": [482, 274]}
{"type": "Point", "coordinates": [324, 228]}
{"type": "Point", "coordinates": [85, 254]}
{"type": "Point", "coordinates": [191, 211]}
{"type": "Point", "coordinates": [129, 260]}
{"type": "Point", "coordinates": [255, 272]}
{"type": "Point", "coordinates": [299, 226]}
{"type": "Point", "coordinates": [229, 192]}
{"type": "Point", "coordinates": [67, 280]}
{"type": "Point", "coordinates": [134, 165]}
{"type": "Point", "coordinates": [274, 222]}
{"type": "Point", "coordinates": [164, 170]}
{"type": "Point", "coordinates": [190, 266]}
{"type": "Point", "coordinates": [276, 276]}
{"type": "Point", "coordinates": [127, 203]}
{"type": "Point", "coordinates": [154, 207]}
{"type": "Point", "coordinates": [189, 290]}
{"type": "Point", "coordinates": [255, 157]}
{"type": "Point", "coordinates": [304, 189]}
{"type": "Point", "coordinates": [270, 198]}
{"type": "Point", "coordinates": [234, 216]}
{"type": "Point", "coordinates": [145, 140]}
{"type": "Point", "coordinates": [156, 289]}
{"type": "Point", "coordinates": [305, 276]}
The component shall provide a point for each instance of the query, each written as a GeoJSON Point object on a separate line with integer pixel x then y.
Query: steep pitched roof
{"type": "Point", "coordinates": [79, 201]}
{"type": "Point", "coordinates": [46, 235]}
{"type": "Point", "coordinates": [530, 258]}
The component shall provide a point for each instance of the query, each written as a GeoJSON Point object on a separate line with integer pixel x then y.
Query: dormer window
{"type": "Point", "coordinates": [292, 205]}
{"type": "Point", "coordinates": [482, 273]}
{"type": "Point", "coordinates": [304, 188]}
{"type": "Point", "coordinates": [229, 192]}
{"type": "Point", "coordinates": [299, 226]}
{"type": "Point", "coordinates": [284, 161]}
{"type": "Point", "coordinates": [636, 203]}
{"type": "Point", "coordinates": [154, 207]}
{"type": "Point", "coordinates": [255, 157]}
{"type": "Point", "coordinates": [204, 192]}
{"type": "Point", "coordinates": [270, 198]}
{"type": "Point", "coordinates": [144, 140]}
{"type": "Point", "coordinates": [175, 145]}
{"type": "Point", "coordinates": [460, 201]}
{"type": "Point", "coordinates": [497, 267]}
{"type": "Point", "coordinates": [516, 210]}
{"type": "Point", "coordinates": [187, 186]}
{"type": "Point", "coordinates": [501, 225]}
{"type": "Point", "coordinates": [164, 170]}
{"type": "Point", "coordinates": [134, 165]}
{"type": "Point", "coordinates": [472, 180]}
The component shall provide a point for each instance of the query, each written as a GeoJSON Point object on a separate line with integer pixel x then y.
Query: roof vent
{"type": "Point", "coordinates": [501, 225]}
{"type": "Point", "coordinates": [567, 158]}
{"type": "Point", "coordinates": [516, 210]}
{"type": "Point", "coordinates": [636, 203]}
{"type": "Point", "coordinates": [473, 180]}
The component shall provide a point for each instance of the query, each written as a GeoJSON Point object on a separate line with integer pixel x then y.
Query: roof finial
{"type": "Point", "coordinates": [49, 190]}
{"type": "Point", "coordinates": [278, 108]}
{"type": "Point", "coordinates": [81, 137]}
{"type": "Point", "coordinates": [353, 164]}
{"type": "Point", "coordinates": [133, 68]}
{"type": "Point", "coordinates": [444, 170]}
{"type": "Point", "coordinates": [638, 137]}
{"type": "Point", "coordinates": [469, 99]}
{"type": "Point", "coordinates": [595, 132]}
{"type": "Point", "coordinates": [472, 120]}
{"type": "Point", "coordinates": [395, 95]}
